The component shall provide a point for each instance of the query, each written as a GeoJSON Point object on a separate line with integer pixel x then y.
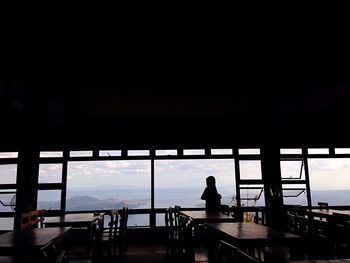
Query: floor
{"type": "Point", "coordinates": [136, 253]}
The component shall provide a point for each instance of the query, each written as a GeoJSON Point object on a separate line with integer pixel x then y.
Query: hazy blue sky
{"type": "Point", "coordinates": [324, 173]}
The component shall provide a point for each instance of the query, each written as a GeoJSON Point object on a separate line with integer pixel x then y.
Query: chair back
{"type": "Point", "coordinates": [243, 257]}
{"type": "Point", "coordinates": [124, 214]}
{"type": "Point", "coordinates": [99, 225]}
{"type": "Point", "coordinates": [225, 252]}
{"type": "Point", "coordinates": [113, 225]}
{"type": "Point", "coordinates": [177, 210]}
{"type": "Point", "coordinates": [32, 219]}
{"type": "Point", "coordinates": [323, 205]}
{"type": "Point", "coordinates": [169, 218]}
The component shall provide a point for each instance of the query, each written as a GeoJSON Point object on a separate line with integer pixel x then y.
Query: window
{"type": "Point", "coordinates": [8, 154]}
{"type": "Point", "coordinates": [80, 153]}
{"type": "Point", "coordinates": [318, 151]}
{"type": "Point", "coordinates": [8, 173]}
{"type": "Point", "coordinates": [330, 180]}
{"type": "Point", "coordinates": [250, 169]}
{"type": "Point", "coordinates": [51, 154]}
{"type": "Point", "coordinates": [181, 182]}
{"type": "Point", "coordinates": [166, 152]}
{"type": "Point", "coordinates": [50, 173]}
{"type": "Point", "coordinates": [104, 185]}
{"type": "Point", "coordinates": [294, 194]}
{"type": "Point", "coordinates": [221, 151]}
{"type": "Point", "coordinates": [7, 200]}
{"type": "Point", "coordinates": [49, 199]}
{"type": "Point", "coordinates": [8, 180]}
{"type": "Point", "coordinates": [290, 151]}
{"type": "Point", "coordinates": [249, 151]}
{"type": "Point", "coordinates": [342, 150]}
{"type": "Point", "coordinates": [110, 153]}
{"type": "Point", "coordinates": [138, 153]}
{"type": "Point", "coordinates": [294, 188]}
{"type": "Point", "coordinates": [50, 180]}
{"type": "Point", "coordinates": [194, 152]}
{"type": "Point", "coordinates": [292, 169]}
{"type": "Point", "coordinates": [252, 195]}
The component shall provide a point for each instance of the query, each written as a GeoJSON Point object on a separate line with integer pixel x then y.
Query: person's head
{"type": "Point", "coordinates": [210, 180]}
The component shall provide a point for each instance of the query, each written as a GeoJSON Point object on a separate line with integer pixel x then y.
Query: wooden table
{"type": "Point", "coordinates": [340, 260]}
{"type": "Point", "coordinates": [326, 213]}
{"type": "Point", "coordinates": [74, 220]}
{"type": "Point", "coordinates": [201, 217]}
{"type": "Point", "coordinates": [28, 241]}
{"type": "Point", "coordinates": [81, 223]}
{"type": "Point", "coordinates": [245, 234]}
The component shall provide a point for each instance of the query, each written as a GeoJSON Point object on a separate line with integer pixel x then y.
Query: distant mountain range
{"type": "Point", "coordinates": [90, 203]}
{"type": "Point", "coordinates": [86, 202]}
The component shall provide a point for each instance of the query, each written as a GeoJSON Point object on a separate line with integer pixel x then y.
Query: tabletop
{"type": "Point", "coordinates": [327, 212]}
{"type": "Point", "coordinates": [340, 260]}
{"type": "Point", "coordinates": [204, 216]}
{"type": "Point", "coordinates": [30, 239]}
{"type": "Point", "coordinates": [249, 234]}
{"type": "Point", "coordinates": [72, 218]}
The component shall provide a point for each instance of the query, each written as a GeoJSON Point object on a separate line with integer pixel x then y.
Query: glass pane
{"type": "Point", "coordinates": [51, 154]}
{"type": "Point", "coordinates": [105, 185]}
{"type": "Point", "coordinates": [292, 170]}
{"type": "Point", "coordinates": [182, 182]}
{"type": "Point", "coordinates": [50, 173]}
{"type": "Point", "coordinates": [6, 223]}
{"type": "Point", "coordinates": [49, 199]}
{"type": "Point", "coordinates": [138, 153]}
{"type": "Point", "coordinates": [7, 200]}
{"type": "Point", "coordinates": [8, 173]}
{"type": "Point", "coordinates": [290, 151]}
{"type": "Point", "coordinates": [138, 220]}
{"type": "Point", "coordinates": [194, 152]}
{"type": "Point", "coordinates": [342, 150]}
{"type": "Point", "coordinates": [248, 151]}
{"type": "Point", "coordinates": [252, 195]}
{"type": "Point", "coordinates": [250, 169]}
{"type": "Point", "coordinates": [318, 151]}
{"type": "Point", "coordinates": [160, 219]}
{"type": "Point", "coordinates": [80, 154]}
{"type": "Point", "coordinates": [330, 180]}
{"type": "Point", "coordinates": [8, 154]}
{"type": "Point", "coordinates": [166, 152]}
{"type": "Point", "coordinates": [294, 194]}
{"type": "Point", "coordinates": [110, 153]}
{"type": "Point", "coordinates": [221, 151]}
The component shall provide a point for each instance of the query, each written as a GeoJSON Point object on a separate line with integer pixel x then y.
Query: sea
{"type": "Point", "coordinates": [83, 200]}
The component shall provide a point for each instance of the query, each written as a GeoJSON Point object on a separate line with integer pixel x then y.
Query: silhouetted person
{"type": "Point", "coordinates": [211, 196]}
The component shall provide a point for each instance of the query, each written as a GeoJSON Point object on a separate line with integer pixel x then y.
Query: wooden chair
{"type": "Point", "coordinates": [187, 242]}
{"type": "Point", "coordinates": [323, 243]}
{"type": "Point", "coordinates": [259, 216]}
{"type": "Point", "coordinates": [341, 234]}
{"type": "Point", "coordinates": [32, 219]}
{"type": "Point", "coordinates": [323, 205]}
{"type": "Point", "coordinates": [225, 253]}
{"type": "Point", "coordinates": [113, 216]}
{"type": "Point", "coordinates": [242, 257]}
{"type": "Point", "coordinates": [177, 210]}
{"type": "Point", "coordinates": [225, 209]}
{"type": "Point", "coordinates": [122, 230]}
{"type": "Point", "coordinates": [106, 243]}
{"type": "Point", "coordinates": [98, 228]}
{"type": "Point", "coordinates": [172, 237]}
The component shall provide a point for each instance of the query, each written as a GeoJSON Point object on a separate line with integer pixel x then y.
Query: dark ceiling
{"type": "Point", "coordinates": [184, 89]}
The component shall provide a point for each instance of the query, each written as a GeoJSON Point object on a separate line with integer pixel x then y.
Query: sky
{"type": "Point", "coordinates": [325, 173]}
